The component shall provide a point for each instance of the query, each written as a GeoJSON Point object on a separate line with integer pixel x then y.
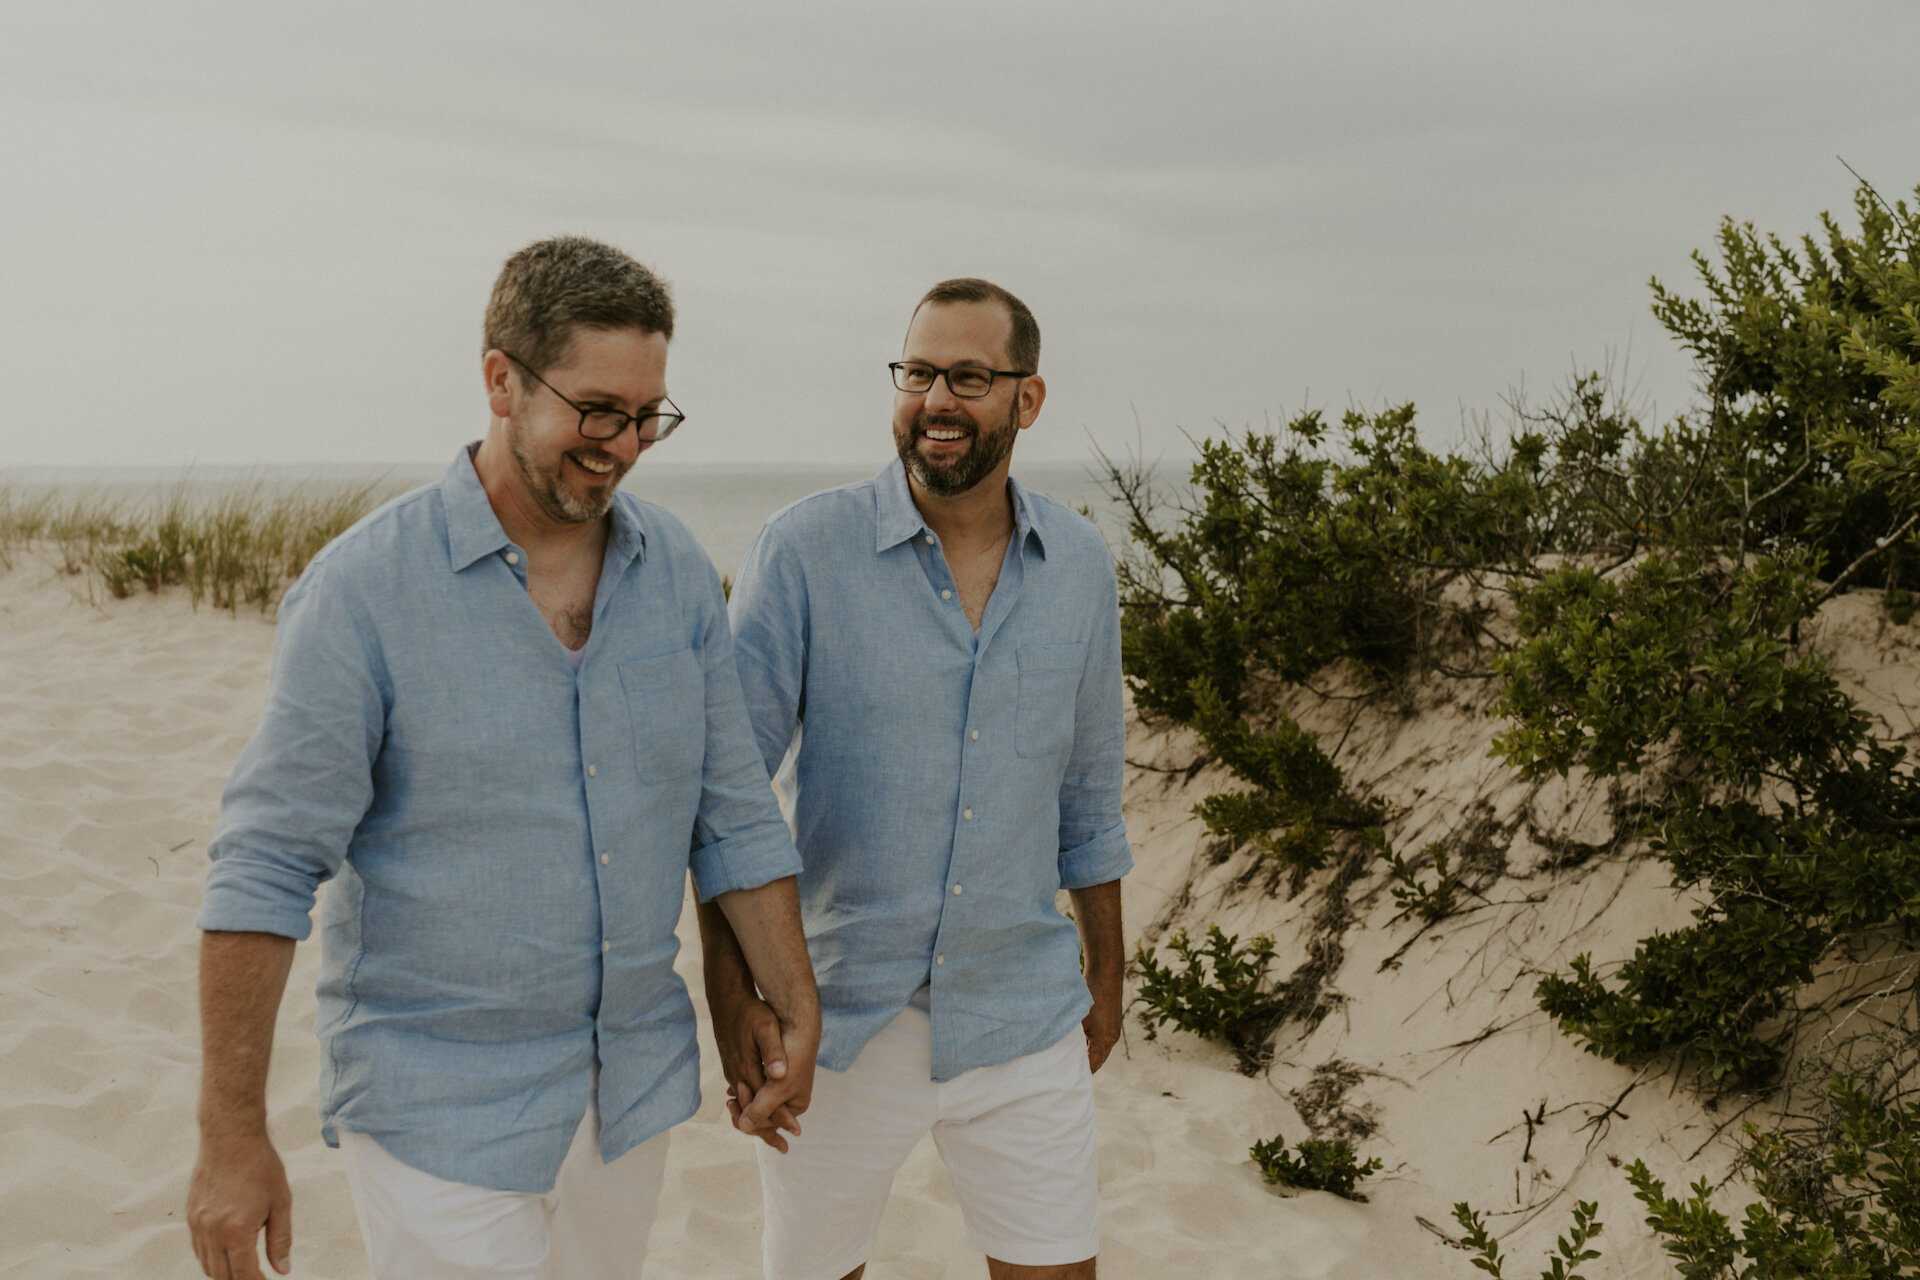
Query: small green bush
{"type": "Point", "coordinates": [1570, 1251]}
{"type": "Point", "coordinates": [1303, 549]}
{"type": "Point", "coordinates": [1899, 605]}
{"type": "Point", "coordinates": [1839, 1200]}
{"type": "Point", "coordinates": [1431, 902]}
{"type": "Point", "coordinates": [1218, 993]}
{"type": "Point", "coordinates": [1844, 1205]}
{"type": "Point", "coordinates": [1313, 1165]}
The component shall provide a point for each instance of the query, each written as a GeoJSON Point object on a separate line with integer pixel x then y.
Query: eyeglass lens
{"type": "Point", "coordinates": [916, 378]}
{"type": "Point", "coordinates": [605, 424]}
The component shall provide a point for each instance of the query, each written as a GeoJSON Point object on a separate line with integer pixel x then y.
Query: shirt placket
{"type": "Point", "coordinates": [598, 709]}
{"type": "Point", "coordinates": [970, 823]}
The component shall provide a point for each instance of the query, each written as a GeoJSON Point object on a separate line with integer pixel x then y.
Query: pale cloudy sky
{"type": "Point", "coordinates": [264, 233]}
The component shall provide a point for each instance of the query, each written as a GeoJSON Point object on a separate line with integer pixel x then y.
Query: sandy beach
{"type": "Point", "coordinates": [119, 721]}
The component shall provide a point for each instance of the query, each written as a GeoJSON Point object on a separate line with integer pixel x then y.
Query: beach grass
{"type": "Point", "coordinates": [228, 545]}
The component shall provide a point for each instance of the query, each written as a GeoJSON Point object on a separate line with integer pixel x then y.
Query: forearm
{"type": "Point", "coordinates": [763, 926]}
{"type": "Point", "coordinates": [722, 963]}
{"type": "Point", "coordinates": [1096, 910]}
{"type": "Point", "coordinates": [242, 977]}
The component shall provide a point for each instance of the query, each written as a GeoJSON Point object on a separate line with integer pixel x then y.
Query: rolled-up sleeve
{"type": "Point", "coordinates": [740, 841]}
{"type": "Point", "coordinates": [1093, 838]}
{"type": "Point", "coordinates": [304, 781]}
{"type": "Point", "coordinates": [769, 614]}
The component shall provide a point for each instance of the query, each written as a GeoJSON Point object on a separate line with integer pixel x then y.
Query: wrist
{"type": "Point", "coordinates": [242, 1125]}
{"type": "Point", "coordinates": [801, 1012]}
{"type": "Point", "coordinates": [727, 986]}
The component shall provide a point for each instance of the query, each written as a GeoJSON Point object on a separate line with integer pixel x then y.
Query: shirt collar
{"type": "Point", "coordinates": [474, 532]}
{"type": "Point", "coordinates": [897, 520]}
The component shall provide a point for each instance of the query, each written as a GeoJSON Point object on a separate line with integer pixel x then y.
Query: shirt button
{"type": "Point", "coordinates": [591, 771]}
{"type": "Point", "coordinates": [605, 858]}
{"type": "Point", "coordinates": [939, 959]}
{"type": "Point", "coordinates": [945, 594]}
{"type": "Point", "coordinates": [929, 539]}
{"type": "Point", "coordinates": [967, 814]}
{"type": "Point", "coordinates": [975, 735]}
{"type": "Point", "coordinates": [605, 947]}
{"type": "Point", "coordinates": [956, 891]}
{"type": "Point", "coordinates": [513, 557]}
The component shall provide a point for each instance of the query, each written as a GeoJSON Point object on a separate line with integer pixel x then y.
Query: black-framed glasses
{"type": "Point", "coordinates": [969, 382]}
{"type": "Point", "coordinates": [598, 423]}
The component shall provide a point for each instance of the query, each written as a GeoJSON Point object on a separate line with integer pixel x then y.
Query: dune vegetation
{"type": "Point", "coordinates": [1633, 594]}
{"type": "Point", "coordinates": [228, 546]}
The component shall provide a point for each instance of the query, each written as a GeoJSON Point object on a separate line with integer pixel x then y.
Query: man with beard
{"type": "Point", "coordinates": [504, 713]}
{"type": "Point", "coordinates": [946, 645]}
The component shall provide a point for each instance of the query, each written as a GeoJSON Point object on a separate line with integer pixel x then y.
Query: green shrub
{"type": "Point", "coordinates": [1838, 1200]}
{"type": "Point", "coordinates": [1218, 993]}
{"type": "Point", "coordinates": [1432, 903]}
{"type": "Point", "coordinates": [1313, 1165]}
{"type": "Point", "coordinates": [1570, 1250]}
{"type": "Point", "coordinates": [1898, 603]}
{"type": "Point", "coordinates": [1772, 790]}
{"type": "Point", "coordinates": [1291, 559]}
{"type": "Point", "coordinates": [1299, 802]}
{"type": "Point", "coordinates": [1839, 1203]}
{"type": "Point", "coordinates": [1658, 580]}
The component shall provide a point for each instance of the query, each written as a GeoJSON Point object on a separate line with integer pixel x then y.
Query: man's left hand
{"type": "Point", "coordinates": [1103, 962]}
{"type": "Point", "coordinates": [747, 1032]}
{"type": "Point", "coordinates": [1102, 1026]}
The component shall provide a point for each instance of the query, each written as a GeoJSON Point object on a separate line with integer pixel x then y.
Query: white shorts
{"type": "Point", "coordinates": [593, 1225]}
{"type": "Point", "coordinates": [1017, 1140]}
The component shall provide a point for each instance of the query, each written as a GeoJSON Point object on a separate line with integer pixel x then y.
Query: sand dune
{"type": "Point", "coordinates": [119, 721]}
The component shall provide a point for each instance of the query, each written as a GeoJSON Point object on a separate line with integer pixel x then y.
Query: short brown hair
{"type": "Point", "coordinates": [1023, 342]}
{"type": "Point", "coordinates": [552, 287]}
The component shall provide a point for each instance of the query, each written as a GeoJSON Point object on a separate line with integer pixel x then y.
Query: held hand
{"type": "Point", "coordinates": [751, 1053]}
{"type": "Point", "coordinates": [788, 1056]}
{"type": "Point", "coordinates": [239, 1187]}
{"type": "Point", "coordinates": [754, 944]}
{"type": "Point", "coordinates": [1102, 1027]}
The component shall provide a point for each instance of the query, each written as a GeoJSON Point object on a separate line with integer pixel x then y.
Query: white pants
{"type": "Point", "coordinates": [1017, 1140]}
{"type": "Point", "coordinates": [593, 1225]}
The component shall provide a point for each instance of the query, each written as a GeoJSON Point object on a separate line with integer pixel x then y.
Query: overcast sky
{"type": "Point", "coordinates": [264, 233]}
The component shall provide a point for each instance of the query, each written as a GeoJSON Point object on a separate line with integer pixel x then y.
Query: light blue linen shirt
{"type": "Point", "coordinates": [511, 838]}
{"type": "Point", "coordinates": [949, 783]}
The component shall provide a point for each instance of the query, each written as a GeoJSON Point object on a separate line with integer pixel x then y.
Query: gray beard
{"type": "Point", "coordinates": [549, 494]}
{"type": "Point", "coordinates": [989, 449]}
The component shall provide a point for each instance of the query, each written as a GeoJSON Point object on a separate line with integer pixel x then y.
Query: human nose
{"type": "Point", "coordinates": [941, 392]}
{"type": "Point", "coordinates": [629, 444]}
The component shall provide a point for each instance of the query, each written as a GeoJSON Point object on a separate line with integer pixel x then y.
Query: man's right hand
{"type": "Point", "coordinates": [752, 944]}
{"type": "Point", "coordinates": [239, 1188]}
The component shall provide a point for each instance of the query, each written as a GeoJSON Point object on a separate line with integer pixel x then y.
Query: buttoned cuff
{"type": "Point", "coordinates": [257, 897]}
{"type": "Point", "coordinates": [1103, 858]}
{"type": "Point", "coordinates": [744, 861]}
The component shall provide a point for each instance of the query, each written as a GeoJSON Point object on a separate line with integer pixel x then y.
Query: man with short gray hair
{"type": "Point", "coordinates": [504, 713]}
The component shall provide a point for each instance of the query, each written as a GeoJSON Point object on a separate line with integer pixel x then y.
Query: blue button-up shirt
{"type": "Point", "coordinates": [511, 838]}
{"type": "Point", "coordinates": [948, 783]}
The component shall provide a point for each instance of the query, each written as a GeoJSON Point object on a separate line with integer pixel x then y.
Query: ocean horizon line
{"type": "Point", "coordinates": [41, 475]}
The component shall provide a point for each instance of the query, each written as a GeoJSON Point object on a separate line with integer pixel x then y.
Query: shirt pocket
{"type": "Point", "coordinates": [667, 705]}
{"type": "Point", "coordinates": [1043, 707]}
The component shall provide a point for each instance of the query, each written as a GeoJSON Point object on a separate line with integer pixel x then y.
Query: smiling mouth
{"type": "Point", "coordinates": [592, 466]}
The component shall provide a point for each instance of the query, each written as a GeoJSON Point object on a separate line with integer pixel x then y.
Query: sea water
{"type": "Point", "coordinates": [724, 505]}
